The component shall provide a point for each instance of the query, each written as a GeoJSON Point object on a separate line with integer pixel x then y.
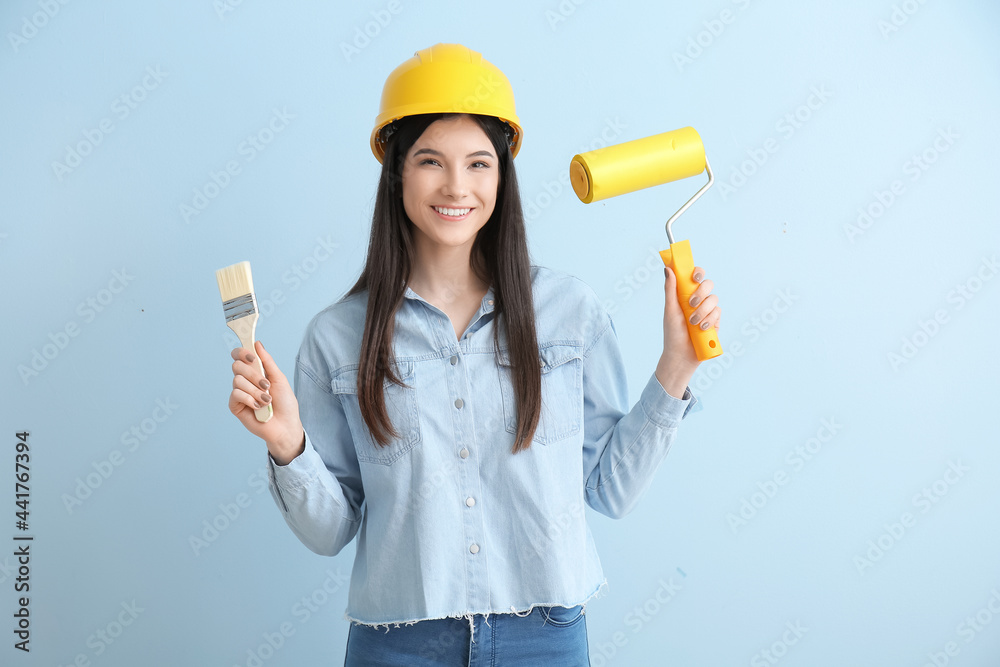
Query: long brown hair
{"type": "Point", "coordinates": [499, 257]}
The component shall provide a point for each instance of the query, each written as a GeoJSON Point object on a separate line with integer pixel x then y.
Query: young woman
{"type": "Point", "coordinates": [458, 406]}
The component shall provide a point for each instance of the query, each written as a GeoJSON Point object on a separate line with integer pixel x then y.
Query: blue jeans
{"type": "Point", "coordinates": [550, 636]}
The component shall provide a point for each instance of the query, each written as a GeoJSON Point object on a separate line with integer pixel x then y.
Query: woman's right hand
{"type": "Point", "coordinates": [283, 432]}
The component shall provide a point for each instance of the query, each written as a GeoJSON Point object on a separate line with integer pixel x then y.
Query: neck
{"type": "Point", "coordinates": [442, 273]}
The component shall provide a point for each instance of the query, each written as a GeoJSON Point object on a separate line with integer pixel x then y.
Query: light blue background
{"type": "Point", "coordinates": [578, 70]}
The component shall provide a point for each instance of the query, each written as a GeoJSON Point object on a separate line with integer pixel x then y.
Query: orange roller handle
{"type": "Point", "coordinates": [678, 258]}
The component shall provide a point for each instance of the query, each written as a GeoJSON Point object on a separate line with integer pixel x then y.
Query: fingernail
{"type": "Point", "coordinates": [257, 405]}
{"type": "Point", "coordinates": [704, 325]}
{"type": "Point", "coordinates": [265, 398]}
{"type": "Point", "coordinates": [264, 384]}
{"type": "Point", "coordinates": [693, 318]}
{"type": "Point", "coordinates": [249, 358]}
{"type": "Point", "coordinates": [693, 301]}
{"type": "Point", "coordinates": [262, 345]}
{"type": "Point", "coordinates": [697, 277]}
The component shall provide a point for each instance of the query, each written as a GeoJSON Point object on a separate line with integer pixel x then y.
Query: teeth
{"type": "Point", "coordinates": [455, 212]}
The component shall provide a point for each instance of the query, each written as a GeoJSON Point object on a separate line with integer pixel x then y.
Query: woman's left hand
{"type": "Point", "coordinates": [678, 360]}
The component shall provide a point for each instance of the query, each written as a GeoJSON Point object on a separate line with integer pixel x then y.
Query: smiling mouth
{"type": "Point", "coordinates": [452, 213]}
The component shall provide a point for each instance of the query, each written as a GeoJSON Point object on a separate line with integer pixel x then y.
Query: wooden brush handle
{"type": "Point", "coordinates": [244, 328]}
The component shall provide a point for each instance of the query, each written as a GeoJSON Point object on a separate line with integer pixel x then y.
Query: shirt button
{"type": "Point", "coordinates": [490, 301]}
{"type": "Point", "coordinates": [470, 501]}
{"type": "Point", "coordinates": [454, 360]}
{"type": "Point", "coordinates": [459, 403]}
{"type": "Point", "coordinates": [464, 453]}
{"type": "Point", "coordinates": [474, 548]}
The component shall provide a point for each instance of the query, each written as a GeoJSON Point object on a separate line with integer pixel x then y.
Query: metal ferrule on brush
{"type": "Point", "coordinates": [239, 307]}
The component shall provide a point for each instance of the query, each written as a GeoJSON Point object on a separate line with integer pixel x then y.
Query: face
{"type": "Point", "coordinates": [450, 180]}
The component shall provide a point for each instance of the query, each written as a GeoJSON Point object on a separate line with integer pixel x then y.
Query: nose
{"type": "Point", "coordinates": [455, 184]}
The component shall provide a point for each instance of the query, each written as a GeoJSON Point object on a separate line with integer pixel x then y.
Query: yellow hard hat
{"type": "Point", "coordinates": [445, 78]}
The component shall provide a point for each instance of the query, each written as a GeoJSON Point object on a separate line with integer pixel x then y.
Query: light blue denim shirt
{"type": "Point", "coordinates": [450, 523]}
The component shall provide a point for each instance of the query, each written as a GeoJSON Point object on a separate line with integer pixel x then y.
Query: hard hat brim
{"type": "Point", "coordinates": [445, 78]}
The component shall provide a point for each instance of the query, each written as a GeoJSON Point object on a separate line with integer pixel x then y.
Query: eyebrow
{"type": "Point", "coordinates": [440, 154]}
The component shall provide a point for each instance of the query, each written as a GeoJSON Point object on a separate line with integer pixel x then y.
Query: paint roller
{"type": "Point", "coordinates": [643, 163]}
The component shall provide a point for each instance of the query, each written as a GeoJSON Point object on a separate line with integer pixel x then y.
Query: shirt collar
{"type": "Point", "coordinates": [487, 304]}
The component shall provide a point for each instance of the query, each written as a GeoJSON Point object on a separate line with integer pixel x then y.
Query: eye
{"type": "Point", "coordinates": [428, 160]}
{"type": "Point", "coordinates": [485, 165]}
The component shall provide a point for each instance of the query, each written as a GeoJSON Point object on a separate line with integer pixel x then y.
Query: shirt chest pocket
{"type": "Point", "coordinates": [562, 392]}
{"type": "Point", "coordinates": [401, 406]}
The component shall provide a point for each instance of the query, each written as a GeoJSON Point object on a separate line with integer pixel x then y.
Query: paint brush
{"type": "Point", "coordinates": [240, 307]}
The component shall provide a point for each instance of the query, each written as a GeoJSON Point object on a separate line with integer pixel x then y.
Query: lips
{"type": "Point", "coordinates": [452, 213]}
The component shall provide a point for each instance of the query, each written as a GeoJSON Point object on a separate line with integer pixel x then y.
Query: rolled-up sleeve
{"type": "Point", "coordinates": [623, 448]}
{"type": "Point", "coordinates": [319, 492]}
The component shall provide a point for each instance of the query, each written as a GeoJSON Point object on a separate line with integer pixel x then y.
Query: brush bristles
{"type": "Point", "coordinates": [234, 281]}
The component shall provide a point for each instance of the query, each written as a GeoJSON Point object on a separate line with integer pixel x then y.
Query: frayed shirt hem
{"type": "Point", "coordinates": [470, 616]}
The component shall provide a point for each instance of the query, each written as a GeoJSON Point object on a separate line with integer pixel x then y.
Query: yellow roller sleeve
{"type": "Point", "coordinates": [679, 259]}
{"type": "Point", "coordinates": [634, 165]}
